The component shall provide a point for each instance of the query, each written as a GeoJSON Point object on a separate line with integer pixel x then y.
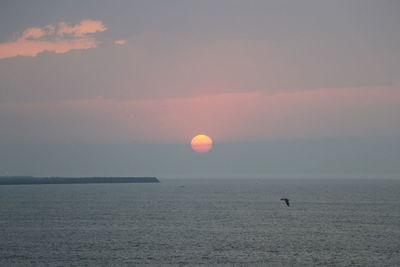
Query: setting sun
{"type": "Point", "coordinates": [201, 143]}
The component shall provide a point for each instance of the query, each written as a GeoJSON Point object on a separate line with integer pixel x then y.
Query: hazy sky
{"type": "Point", "coordinates": [285, 88]}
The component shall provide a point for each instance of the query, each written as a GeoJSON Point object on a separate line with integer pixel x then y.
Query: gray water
{"type": "Point", "coordinates": [204, 221]}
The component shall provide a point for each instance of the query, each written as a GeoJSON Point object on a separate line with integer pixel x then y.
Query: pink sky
{"type": "Point", "coordinates": [364, 111]}
{"type": "Point", "coordinates": [211, 99]}
{"type": "Point", "coordinates": [150, 74]}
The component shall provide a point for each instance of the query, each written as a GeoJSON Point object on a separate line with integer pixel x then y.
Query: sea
{"type": "Point", "coordinates": [203, 222]}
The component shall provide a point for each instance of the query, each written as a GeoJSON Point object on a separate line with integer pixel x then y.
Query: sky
{"type": "Point", "coordinates": [119, 88]}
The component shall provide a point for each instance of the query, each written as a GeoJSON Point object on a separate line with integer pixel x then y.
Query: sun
{"type": "Point", "coordinates": [201, 143]}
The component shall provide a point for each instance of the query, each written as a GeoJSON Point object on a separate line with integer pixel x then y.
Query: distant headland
{"type": "Point", "coordinates": [25, 180]}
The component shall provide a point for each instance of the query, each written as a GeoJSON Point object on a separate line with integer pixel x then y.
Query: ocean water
{"type": "Point", "coordinates": [208, 222]}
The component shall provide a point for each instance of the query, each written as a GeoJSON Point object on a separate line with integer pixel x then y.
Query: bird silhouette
{"type": "Point", "coordinates": [286, 201]}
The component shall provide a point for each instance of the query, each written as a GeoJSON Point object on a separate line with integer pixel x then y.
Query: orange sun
{"type": "Point", "coordinates": [201, 143]}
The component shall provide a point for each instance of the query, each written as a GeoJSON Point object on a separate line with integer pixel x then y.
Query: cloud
{"type": "Point", "coordinates": [57, 38]}
{"type": "Point", "coordinates": [120, 42]}
{"type": "Point", "coordinates": [83, 28]}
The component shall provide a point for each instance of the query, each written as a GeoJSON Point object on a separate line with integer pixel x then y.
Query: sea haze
{"type": "Point", "coordinates": [202, 221]}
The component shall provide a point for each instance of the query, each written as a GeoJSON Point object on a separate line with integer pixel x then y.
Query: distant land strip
{"type": "Point", "coordinates": [25, 180]}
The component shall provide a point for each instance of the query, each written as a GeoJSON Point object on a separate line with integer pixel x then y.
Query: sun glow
{"type": "Point", "coordinates": [201, 143]}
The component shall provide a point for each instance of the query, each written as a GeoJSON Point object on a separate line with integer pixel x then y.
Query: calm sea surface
{"type": "Point", "coordinates": [202, 222]}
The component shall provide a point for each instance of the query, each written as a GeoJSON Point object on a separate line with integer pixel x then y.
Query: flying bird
{"type": "Point", "coordinates": [286, 201]}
